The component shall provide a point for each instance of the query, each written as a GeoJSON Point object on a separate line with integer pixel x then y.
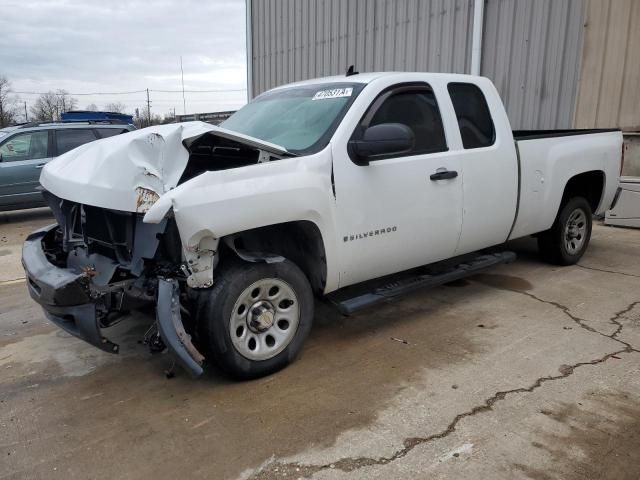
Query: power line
{"type": "Point", "coordinates": [138, 91]}
{"type": "Point", "coordinates": [202, 91]}
{"type": "Point", "coordinates": [79, 94]}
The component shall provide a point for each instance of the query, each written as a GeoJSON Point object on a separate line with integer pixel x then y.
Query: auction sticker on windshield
{"type": "Point", "coordinates": [333, 93]}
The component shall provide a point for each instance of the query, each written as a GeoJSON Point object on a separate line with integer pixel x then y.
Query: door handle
{"type": "Point", "coordinates": [40, 165]}
{"type": "Point", "coordinates": [443, 174]}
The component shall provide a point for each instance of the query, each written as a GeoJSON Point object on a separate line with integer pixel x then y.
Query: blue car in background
{"type": "Point", "coordinates": [26, 148]}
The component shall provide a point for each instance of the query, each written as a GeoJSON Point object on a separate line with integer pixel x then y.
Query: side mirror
{"type": "Point", "coordinates": [382, 139]}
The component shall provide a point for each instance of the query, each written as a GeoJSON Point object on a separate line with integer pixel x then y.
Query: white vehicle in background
{"type": "Point", "coordinates": [324, 187]}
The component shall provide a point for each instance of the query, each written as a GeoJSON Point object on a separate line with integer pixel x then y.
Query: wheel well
{"type": "Point", "coordinates": [301, 242]}
{"type": "Point", "coordinates": [588, 185]}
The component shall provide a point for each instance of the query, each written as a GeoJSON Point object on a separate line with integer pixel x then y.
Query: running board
{"type": "Point", "coordinates": [417, 282]}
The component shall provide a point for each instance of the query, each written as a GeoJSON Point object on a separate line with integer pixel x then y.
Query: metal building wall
{"type": "Point", "coordinates": [531, 51]}
{"type": "Point", "coordinates": [295, 40]}
{"type": "Point", "coordinates": [610, 77]}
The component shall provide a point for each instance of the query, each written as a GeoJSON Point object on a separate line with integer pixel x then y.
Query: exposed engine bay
{"type": "Point", "coordinates": [209, 153]}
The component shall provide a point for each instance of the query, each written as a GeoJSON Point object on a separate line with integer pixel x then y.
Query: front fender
{"type": "Point", "coordinates": [231, 201]}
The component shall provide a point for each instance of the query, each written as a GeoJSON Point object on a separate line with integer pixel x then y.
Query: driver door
{"type": "Point", "coordinates": [392, 215]}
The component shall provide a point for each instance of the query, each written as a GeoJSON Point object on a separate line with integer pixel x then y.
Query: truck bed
{"type": "Point", "coordinates": [547, 163]}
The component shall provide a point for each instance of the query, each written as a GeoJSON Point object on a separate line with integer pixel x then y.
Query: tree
{"type": "Point", "coordinates": [116, 107]}
{"type": "Point", "coordinates": [7, 103]}
{"type": "Point", "coordinates": [92, 107]}
{"type": "Point", "coordinates": [48, 106]}
{"type": "Point", "coordinates": [65, 102]}
{"type": "Point", "coordinates": [45, 108]}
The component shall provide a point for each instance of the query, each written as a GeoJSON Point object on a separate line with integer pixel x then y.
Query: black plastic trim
{"type": "Point", "coordinates": [62, 294]}
{"type": "Point", "coordinates": [522, 135]}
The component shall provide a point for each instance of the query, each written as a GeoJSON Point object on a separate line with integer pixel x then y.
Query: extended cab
{"type": "Point", "coordinates": [314, 188]}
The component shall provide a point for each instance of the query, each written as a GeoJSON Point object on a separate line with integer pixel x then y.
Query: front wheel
{"type": "Point", "coordinates": [567, 240]}
{"type": "Point", "coordinates": [256, 317]}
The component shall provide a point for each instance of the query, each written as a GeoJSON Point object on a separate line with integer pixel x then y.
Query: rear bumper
{"type": "Point", "coordinates": [63, 294]}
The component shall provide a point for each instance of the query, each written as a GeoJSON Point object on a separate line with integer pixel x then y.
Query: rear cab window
{"type": "Point", "coordinates": [473, 115]}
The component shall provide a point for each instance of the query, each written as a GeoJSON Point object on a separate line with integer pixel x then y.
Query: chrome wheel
{"type": "Point", "coordinates": [264, 319]}
{"type": "Point", "coordinates": [575, 231]}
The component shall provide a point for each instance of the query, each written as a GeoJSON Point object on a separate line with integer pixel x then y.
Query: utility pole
{"type": "Point", "coordinates": [148, 110]}
{"type": "Point", "coordinates": [26, 116]}
{"type": "Point", "coordinates": [184, 102]}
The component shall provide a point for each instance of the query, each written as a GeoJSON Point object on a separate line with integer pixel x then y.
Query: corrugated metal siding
{"type": "Point", "coordinates": [536, 52]}
{"type": "Point", "coordinates": [531, 51]}
{"type": "Point", "coordinates": [295, 40]}
{"type": "Point", "coordinates": [610, 76]}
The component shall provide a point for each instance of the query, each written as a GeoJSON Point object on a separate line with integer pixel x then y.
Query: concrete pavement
{"type": "Point", "coordinates": [526, 371]}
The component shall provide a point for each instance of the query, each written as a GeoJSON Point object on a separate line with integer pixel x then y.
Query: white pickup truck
{"type": "Point", "coordinates": [310, 189]}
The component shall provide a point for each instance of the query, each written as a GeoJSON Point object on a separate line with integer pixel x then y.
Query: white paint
{"type": "Point", "coordinates": [107, 172]}
{"type": "Point", "coordinates": [549, 163]}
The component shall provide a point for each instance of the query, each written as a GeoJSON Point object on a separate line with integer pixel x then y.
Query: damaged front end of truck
{"type": "Point", "coordinates": [102, 259]}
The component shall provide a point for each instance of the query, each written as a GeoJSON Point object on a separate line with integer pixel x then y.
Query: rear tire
{"type": "Point", "coordinates": [256, 317]}
{"type": "Point", "coordinates": [568, 238]}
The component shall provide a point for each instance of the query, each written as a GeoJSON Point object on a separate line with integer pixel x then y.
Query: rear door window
{"type": "Point", "coordinates": [472, 112]}
{"type": "Point", "coordinates": [71, 138]}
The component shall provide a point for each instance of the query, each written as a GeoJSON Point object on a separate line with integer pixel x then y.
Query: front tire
{"type": "Point", "coordinates": [568, 238]}
{"type": "Point", "coordinates": [256, 317]}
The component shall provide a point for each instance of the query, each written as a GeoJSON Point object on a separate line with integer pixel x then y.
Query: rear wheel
{"type": "Point", "coordinates": [257, 317]}
{"type": "Point", "coordinates": [568, 238]}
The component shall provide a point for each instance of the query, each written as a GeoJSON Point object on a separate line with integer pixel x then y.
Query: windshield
{"type": "Point", "coordinates": [300, 119]}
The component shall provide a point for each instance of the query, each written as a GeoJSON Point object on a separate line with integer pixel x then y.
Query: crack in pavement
{"type": "Point", "coordinates": [581, 322]}
{"type": "Point", "coordinates": [615, 320]}
{"type": "Point", "coordinates": [607, 271]}
{"type": "Point", "coordinates": [350, 464]}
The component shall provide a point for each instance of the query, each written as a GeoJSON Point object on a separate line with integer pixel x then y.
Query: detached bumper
{"type": "Point", "coordinates": [63, 294]}
{"type": "Point", "coordinates": [66, 299]}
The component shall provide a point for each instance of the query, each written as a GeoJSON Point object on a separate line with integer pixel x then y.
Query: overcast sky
{"type": "Point", "coordinates": [114, 46]}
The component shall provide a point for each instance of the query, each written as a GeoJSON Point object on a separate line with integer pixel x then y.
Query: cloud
{"type": "Point", "coordinates": [100, 46]}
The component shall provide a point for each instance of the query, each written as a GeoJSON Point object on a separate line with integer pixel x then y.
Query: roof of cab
{"type": "Point", "coordinates": [369, 77]}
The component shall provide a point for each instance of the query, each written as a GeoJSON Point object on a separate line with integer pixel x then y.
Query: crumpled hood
{"type": "Point", "coordinates": [129, 172]}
